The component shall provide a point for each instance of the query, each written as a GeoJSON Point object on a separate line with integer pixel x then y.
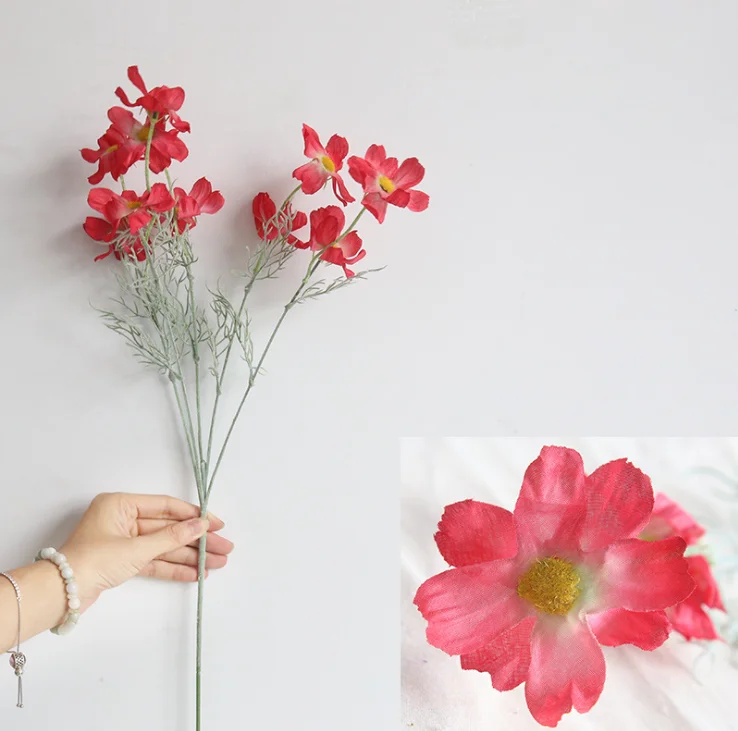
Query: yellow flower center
{"type": "Point", "coordinates": [328, 164]}
{"type": "Point", "coordinates": [143, 134]}
{"type": "Point", "coordinates": [133, 205]}
{"type": "Point", "coordinates": [386, 184]}
{"type": "Point", "coordinates": [551, 585]}
{"type": "Point", "coordinates": [112, 148]}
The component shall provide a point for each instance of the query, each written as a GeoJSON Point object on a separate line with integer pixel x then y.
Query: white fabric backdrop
{"type": "Point", "coordinates": [679, 687]}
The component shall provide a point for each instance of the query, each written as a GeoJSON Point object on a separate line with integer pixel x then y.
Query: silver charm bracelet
{"type": "Point", "coordinates": [17, 658]}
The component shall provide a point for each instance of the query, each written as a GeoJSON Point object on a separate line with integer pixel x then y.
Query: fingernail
{"type": "Point", "coordinates": [198, 526]}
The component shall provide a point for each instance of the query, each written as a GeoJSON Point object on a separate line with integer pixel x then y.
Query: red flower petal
{"type": "Point", "coordinates": [201, 190]}
{"type": "Point", "coordinates": [399, 198]}
{"type": "Point", "coordinates": [98, 198]}
{"type": "Point", "coordinates": [647, 630]}
{"type": "Point", "coordinates": [299, 221]}
{"type": "Point", "coordinates": [506, 658]}
{"type": "Point", "coordinates": [159, 199]}
{"type": "Point", "coordinates": [98, 229]}
{"type": "Point", "coordinates": [376, 205]}
{"type": "Point", "coordinates": [644, 575]}
{"type": "Point", "coordinates": [135, 78]}
{"type": "Point", "coordinates": [411, 173]}
{"type": "Point", "coordinates": [375, 155]}
{"type": "Point", "coordinates": [337, 148]}
{"type": "Point", "coordinates": [567, 668]}
{"type": "Point", "coordinates": [619, 504]}
{"type": "Point", "coordinates": [138, 220]}
{"type": "Point", "coordinates": [670, 519]}
{"type": "Point", "coordinates": [264, 209]}
{"type": "Point", "coordinates": [707, 591]}
{"type": "Point", "coordinates": [341, 191]}
{"type": "Point", "coordinates": [468, 607]}
{"type": "Point", "coordinates": [552, 501]}
{"type": "Point", "coordinates": [472, 532]}
{"type": "Point", "coordinates": [312, 176]}
{"type": "Point", "coordinates": [692, 621]}
{"type": "Point", "coordinates": [418, 201]}
{"type": "Point", "coordinates": [313, 148]}
{"type": "Point", "coordinates": [326, 225]}
{"type": "Point", "coordinates": [360, 170]}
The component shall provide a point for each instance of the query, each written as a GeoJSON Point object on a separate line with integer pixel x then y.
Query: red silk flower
{"type": "Point", "coordinates": [324, 164]}
{"type": "Point", "coordinates": [164, 101]}
{"type": "Point", "coordinates": [326, 225]}
{"type": "Point", "coordinates": [201, 199]}
{"type": "Point", "coordinates": [688, 617]}
{"type": "Point", "coordinates": [534, 593]}
{"type": "Point", "coordinates": [384, 182]}
{"type": "Point", "coordinates": [269, 226]}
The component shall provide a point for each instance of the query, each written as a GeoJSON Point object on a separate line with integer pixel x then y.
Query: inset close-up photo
{"type": "Point", "coordinates": [546, 577]}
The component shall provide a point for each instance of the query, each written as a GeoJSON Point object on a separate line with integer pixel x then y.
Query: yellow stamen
{"type": "Point", "coordinates": [112, 148]}
{"type": "Point", "coordinates": [328, 164]}
{"type": "Point", "coordinates": [551, 585]}
{"type": "Point", "coordinates": [143, 134]}
{"type": "Point", "coordinates": [386, 184]}
{"type": "Point", "coordinates": [133, 205]}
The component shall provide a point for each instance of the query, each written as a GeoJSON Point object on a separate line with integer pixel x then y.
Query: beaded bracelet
{"type": "Point", "coordinates": [73, 603]}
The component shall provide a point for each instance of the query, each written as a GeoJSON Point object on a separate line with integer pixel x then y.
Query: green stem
{"type": "Point", "coordinates": [200, 597]}
{"type": "Point", "coordinates": [314, 261]}
{"type": "Point", "coordinates": [147, 154]}
{"type": "Point", "coordinates": [352, 225]}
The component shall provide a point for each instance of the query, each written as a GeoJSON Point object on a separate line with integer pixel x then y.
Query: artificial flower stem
{"type": "Point", "coordinates": [200, 597]}
{"type": "Point", "coordinates": [255, 371]}
{"type": "Point", "coordinates": [147, 154]}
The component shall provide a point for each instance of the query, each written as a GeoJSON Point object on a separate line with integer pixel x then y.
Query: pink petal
{"type": "Point", "coordinates": [552, 501]}
{"type": "Point", "coordinates": [399, 198]}
{"type": "Point", "coordinates": [418, 201]}
{"type": "Point", "coordinates": [337, 148]}
{"type": "Point", "coordinates": [123, 121]}
{"type": "Point", "coordinates": [376, 205]}
{"type": "Point", "coordinates": [619, 504]}
{"type": "Point", "coordinates": [213, 203]}
{"type": "Point", "coordinates": [468, 607]}
{"type": "Point", "coordinates": [159, 199]}
{"type": "Point", "coordinates": [707, 591]}
{"type": "Point", "coordinates": [375, 155]}
{"type": "Point", "coordinates": [567, 668]}
{"type": "Point", "coordinates": [201, 190]}
{"type": "Point", "coordinates": [692, 621]}
{"type": "Point", "coordinates": [644, 575]}
{"type": "Point", "coordinates": [647, 630]}
{"type": "Point", "coordinates": [98, 229]}
{"type": "Point", "coordinates": [473, 532]}
{"type": "Point", "coordinates": [670, 519]}
{"type": "Point", "coordinates": [506, 658]}
{"type": "Point", "coordinates": [313, 148]}
{"type": "Point", "coordinates": [135, 78]}
{"type": "Point", "coordinates": [299, 221]}
{"type": "Point", "coordinates": [138, 220]}
{"type": "Point", "coordinates": [341, 191]}
{"type": "Point", "coordinates": [360, 170]}
{"type": "Point", "coordinates": [411, 172]}
{"type": "Point", "coordinates": [98, 198]}
{"type": "Point", "coordinates": [312, 176]}
{"type": "Point", "coordinates": [350, 244]}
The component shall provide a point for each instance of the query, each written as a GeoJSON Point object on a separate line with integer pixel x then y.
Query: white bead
{"type": "Point", "coordinates": [67, 573]}
{"type": "Point", "coordinates": [71, 588]}
{"type": "Point", "coordinates": [58, 558]}
{"type": "Point", "coordinates": [73, 617]}
{"type": "Point", "coordinates": [64, 629]}
{"type": "Point", "coordinates": [63, 566]}
{"type": "Point", "coordinates": [74, 602]}
{"type": "Point", "coordinates": [47, 552]}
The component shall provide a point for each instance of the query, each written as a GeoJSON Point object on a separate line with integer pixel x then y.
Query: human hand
{"type": "Point", "coordinates": [122, 535]}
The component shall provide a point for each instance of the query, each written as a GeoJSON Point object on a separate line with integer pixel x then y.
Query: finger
{"type": "Point", "coordinates": [189, 557]}
{"type": "Point", "coordinates": [171, 508]}
{"type": "Point", "coordinates": [170, 571]}
{"type": "Point", "coordinates": [215, 543]}
{"type": "Point", "coordinates": [172, 536]}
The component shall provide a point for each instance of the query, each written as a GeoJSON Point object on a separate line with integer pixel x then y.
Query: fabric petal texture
{"type": "Point", "coordinates": [647, 630]}
{"type": "Point", "coordinates": [567, 669]}
{"type": "Point", "coordinates": [670, 519]}
{"type": "Point", "coordinates": [643, 576]}
{"type": "Point", "coordinates": [506, 658]}
{"type": "Point", "coordinates": [473, 532]}
{"type": "Point", "coordinates": [467, 608]}
{"type": "Point", "coordinates": [619, 504]}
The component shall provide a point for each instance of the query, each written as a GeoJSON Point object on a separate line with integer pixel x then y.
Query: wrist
{"type": "Point", "coordinates": [84, 576]}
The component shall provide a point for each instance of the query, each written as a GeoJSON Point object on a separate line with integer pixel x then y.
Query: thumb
{"type": "Point", "coordinates": [174, 536]}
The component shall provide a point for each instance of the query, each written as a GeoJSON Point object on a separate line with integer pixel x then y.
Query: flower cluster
{"type": "Point", "coordinates": [583, 561]}
{"type": "Point", "coordinates": [127, 217]}
{"type": "Point", "coordinates": [384, 182]}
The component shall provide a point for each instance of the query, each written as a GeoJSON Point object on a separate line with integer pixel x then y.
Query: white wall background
{"type": "Point", "coordinates": [575, 272]}
{"type": "Point", "coordinates": [681, 686]}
